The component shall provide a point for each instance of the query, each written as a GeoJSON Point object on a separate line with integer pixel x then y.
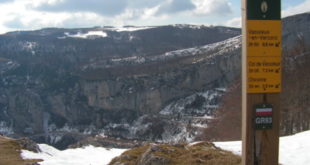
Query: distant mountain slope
{"type": "Point", "coordinates": [62, 85]}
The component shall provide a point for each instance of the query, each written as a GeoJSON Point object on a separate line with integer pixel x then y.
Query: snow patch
{"type": "Point", "coordinates": [79, 156]}
{"type": "Point", "coordinates": [233, 146]}
{"type": "Point", "coordinates": [200, 125]}
{"type": "Point", "coordinates": [29, 45]}
{"type": "Point", "coordinates": [181, 26]}
{"type": "Point", "coordinates": [88, 35]}
{"type": "Point", "coordinates": [183, 135]}
{"type": "Point", "coordinates": [182, 105]}
{"type": "Point", "coordinates": [5, 129]}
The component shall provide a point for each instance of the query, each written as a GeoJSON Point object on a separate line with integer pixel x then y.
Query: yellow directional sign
{"type": "Point", "coordinates": [264, 56]}
{"type": "Point", "coordinates": [264, 38]}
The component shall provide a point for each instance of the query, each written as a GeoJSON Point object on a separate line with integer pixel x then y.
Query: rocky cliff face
{"type": "Point", "coordinates": [61, 85]}
{"type": "Point", "coordinates": [151, 85]}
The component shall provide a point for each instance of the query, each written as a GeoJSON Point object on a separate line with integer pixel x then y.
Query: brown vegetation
{"type": "Point", "coordinates": [295, 114]}
{"type": "Point", "coordinates": [10, 153]}
{"type": "Point", "coordinates": [202, 153]}
{"type": "Point", "coordinates": [227, 123]}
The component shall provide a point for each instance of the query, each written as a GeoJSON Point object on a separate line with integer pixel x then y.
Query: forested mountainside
{"type": "Point", "coordinates": [162, 83]}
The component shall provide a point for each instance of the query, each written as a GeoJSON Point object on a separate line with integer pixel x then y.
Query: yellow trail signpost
{"type": "Point", "coordinates": [264, 56]}
{"type": "Point", "coordinates": [261, 78]}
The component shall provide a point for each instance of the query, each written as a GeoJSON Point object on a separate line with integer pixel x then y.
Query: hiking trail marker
{"type": "Point", "coordinates": [263, 117]}
{"type": "Point", "coordinates": [261, 81]}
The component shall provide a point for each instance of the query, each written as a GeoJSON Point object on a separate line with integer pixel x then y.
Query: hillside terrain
{"type": "Point", "coordinates": [60, 86]}
{"type": "Point", "coordinates": [10, 150]}
{"type": "Point", "coordinates": [164, 84]}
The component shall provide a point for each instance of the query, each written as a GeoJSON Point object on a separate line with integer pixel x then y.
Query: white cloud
{"type": "Point", "coordinates": [212, 7]}
{"type": "Point", "coordinates": [234, 22]}
{"type": "Point", "coordinates": [30, 14]}
{"type": "Point", "coordinates": [301, 8]}
{"type": "Point", "coordinates": [175, 6]}
{"type": "Point", "coordinates": [102, 7]}
{"type": "Point", "coordinates": [23, 17]}
{"type": "Point", "coordinates": [4, 29]}
{"type": "Point", "coordinates": [26, 17]}
{"type": "Point", "coordinates": [150, 12]}
{"type": "Point", "coordinates": [82, 19]}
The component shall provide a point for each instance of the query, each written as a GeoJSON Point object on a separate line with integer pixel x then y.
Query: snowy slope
{"type": "Point", "coordinates": [289, 146]}
{"type": "Point", "coordinates": [101, 33]}
{"type": "Point", "coordinates": [79, 156]}
{"type": "Point", "coordinates": [210, 50]}
{"type": "Point", "coordinates": [294, 150]}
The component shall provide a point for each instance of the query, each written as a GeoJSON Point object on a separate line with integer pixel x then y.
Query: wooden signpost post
{"type": "Point", "coordinates": [261, 78]}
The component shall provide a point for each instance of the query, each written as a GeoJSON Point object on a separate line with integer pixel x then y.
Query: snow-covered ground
{"type": "Point", "coordinates": [294, 150]}
{"type": "Point", "coordinates": [89, 155]}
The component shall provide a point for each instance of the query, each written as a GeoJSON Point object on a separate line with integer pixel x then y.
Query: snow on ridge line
{"type": "Point", "coordinates": [131, 29]}
{"type": "Point", "coordinates": [223, 46]}
{"type": "Point", "coordinates": [189, 26]}
{"type": "Point", "coordinates": [219, 48]}
{"type": "Point", "coordinates": [102, 34]}
{"type": "Point", "coordinates": [96, 34]}
{"type": "Point", "coordinates": [293, 150]}
{"type": "Point", "coordinates": [79, 156]}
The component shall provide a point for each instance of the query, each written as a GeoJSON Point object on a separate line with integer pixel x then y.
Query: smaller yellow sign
{"type": "Point", "coordinates": [264, 74]}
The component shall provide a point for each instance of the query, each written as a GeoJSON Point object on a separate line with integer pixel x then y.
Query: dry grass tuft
{"type": "Point", "coordinates": [10, 153]}
{"type": "Point", "coordinates": [203, 153]}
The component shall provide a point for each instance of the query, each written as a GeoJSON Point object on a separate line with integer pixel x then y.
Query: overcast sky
{"type": "Point", "coordinates": [36, 14]}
